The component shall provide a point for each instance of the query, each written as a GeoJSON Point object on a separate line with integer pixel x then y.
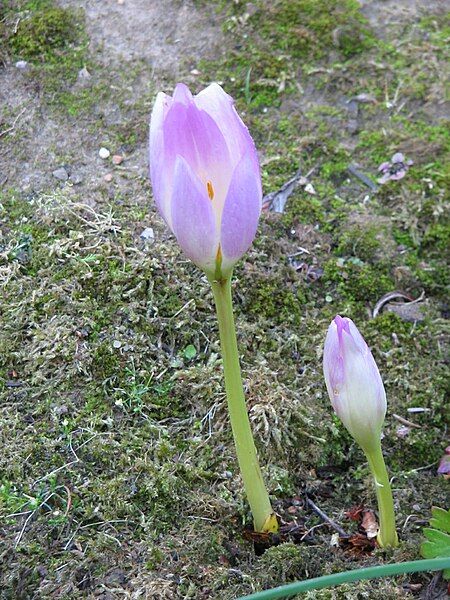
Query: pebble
{"type": "Point", "coordinates": [148, 235]}
{"type": "Point", "coordinates": [21, 64]}
{"type": "Point", "coordinates": [108, 177]}
{"type": "Point", "coordinates": [84, 74]}
{"type": "Point", "coordinates": [104, 153]}
{"type": "Point", "coordinates": [117, 344]}
{"type": "Point", "coordinates": [117, 159]}
{"type": "Point", "coordinates": [75, 178]}
{"type": "Point", "coordinates": [61, 174]}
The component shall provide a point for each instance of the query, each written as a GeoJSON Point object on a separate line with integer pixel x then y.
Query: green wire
{"type": "Point", "coordinates": [433, 564]}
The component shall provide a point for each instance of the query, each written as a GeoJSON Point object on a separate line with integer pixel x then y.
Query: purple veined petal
{"type": "Point", "coordinates": [191, 133]}
{"type": "Point", "coordinates": [220, 107]}
{"type": "Point", "coordinates": [384, 179]}
{"type": "Point", "coordinates": [398, 175]}
{"type": "Point", "coordinates": [159, 175]}
{"type": "Point", "coordinates": [357, 340]}
{"type": "Point", "coordinates": [342, 324]}
{"type": "Point", "coordinates": [384, 167]}
{"type": "Point", "coordinates": [193, 220]}
{"type": "Point", "coordinates": [241, 211]}
{"type": "Point", "coordinates": [444, 464]}
{"type": "Point", "coordinates": [398, 157]}
{"type": "Point", "coordinates": [182, 94]}
{"type": "Point", "coordinates": [333, 366]}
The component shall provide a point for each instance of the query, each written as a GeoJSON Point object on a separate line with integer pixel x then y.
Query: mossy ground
{"type": "Point", "coordinates": [117, 464]}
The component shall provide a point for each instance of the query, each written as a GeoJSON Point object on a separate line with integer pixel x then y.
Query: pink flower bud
{"type": "Point", "coordinates": [205, 175]}
{"type": "Point", "coordinates": [354, 383]}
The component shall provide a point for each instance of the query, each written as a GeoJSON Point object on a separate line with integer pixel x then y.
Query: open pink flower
{"type": "Point", "coordinates": [354, 383]}
{"type": "Point", "coordinates": [205, 175]}
{"type": "Point", "coordinates": [395, 169]}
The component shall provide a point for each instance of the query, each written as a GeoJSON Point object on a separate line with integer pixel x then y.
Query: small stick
{"type": "Point", "coordinates": [5, 131]}
{"type": "Point", "coordinates": [326, 518]}
{"type": "Point", "coordinates": [405, 421]}
{"type": "Point", "coordinates": [362, 177]}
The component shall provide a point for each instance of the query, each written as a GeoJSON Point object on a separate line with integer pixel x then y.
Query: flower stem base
{"type": "Point", "coordinates": [263, 516]}
{"type": "Point", "coordinates": [387, 535]}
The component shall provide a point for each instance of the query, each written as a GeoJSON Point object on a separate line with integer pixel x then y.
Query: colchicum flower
{"type": "Point", "coordinates": [354, 383]}
{"type": "Point", "coordinates": [357, 394]}
{"type": "Point", "coordinates": [205, 175]}
{"type": "Point", "coordinates": [395, 169]}
{"type": "Point", "coordinates": [206, 182]}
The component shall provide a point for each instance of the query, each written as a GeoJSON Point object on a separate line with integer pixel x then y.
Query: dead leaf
{"type": "Point", "coordinates": [357, 545]}
{"type": "Point", "coordinates": [355, 513]}
{"type": "Point", "coordinates": [369, 524]}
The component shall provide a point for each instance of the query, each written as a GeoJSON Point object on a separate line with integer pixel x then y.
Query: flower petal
{"type": "Point", "coordinates": [398, 157]}
{"type": "Point", "coordinates": [158, 174]}
{"type": "Point", "coordinates": [220, 106]}
{"type": "Point", "coordinates": [191, 133]}
{"type": "Point", "coordinates": [193, 220]}
{"type": "Point", "coordinates": [241, 211]}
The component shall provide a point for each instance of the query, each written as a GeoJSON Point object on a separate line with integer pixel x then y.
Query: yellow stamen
{"type": "Point", "coordinates": [210, 189]}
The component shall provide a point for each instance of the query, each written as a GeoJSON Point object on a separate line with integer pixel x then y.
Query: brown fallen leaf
{"type": "Point", "coordinates": [357, 545]}
{"type": "Point", "coordinates": [355, 513]}
{"type": "Point", "coordinates": [369, 524]}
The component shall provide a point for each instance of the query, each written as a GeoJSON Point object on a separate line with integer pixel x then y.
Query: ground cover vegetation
{"type": "Point", "coordinates": [118, 473]}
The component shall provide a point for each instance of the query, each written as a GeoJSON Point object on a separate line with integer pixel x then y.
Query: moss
{"type": "Point", "coordinates": [47, 33]}
{"type": "Point", "coordinates": [309, 28]}
{"type": "Point", "coordinates": [360, 242]}
{"type": "Point", "coordinates": [436, 240]}
{"type": "Point", "coordinates": [271, 298]}
{"type": "Point", "coordinates": [358, 281]}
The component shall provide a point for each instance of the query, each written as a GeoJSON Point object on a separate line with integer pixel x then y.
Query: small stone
{"type": "Point", "coordinates": [117, 344]}
{"type": "Point", "coordinates": [108, 177]}
{"type": "Point", "coordinates": [61, 174]}
{"type": "Point", "coordinates": [195, 72]}
{"type": "Point", "coordinates": [104, 153]}
{"type": "Point", "coordinates": [84, 74]}
{"type": "Point", "coordinates": [117, 159]}
{"type": "Point", "coordinates": [148, 235]}
{"type": "Point", "coordinates": [21, 64]}
{"type": "Point", "coordinates": [75, 178]}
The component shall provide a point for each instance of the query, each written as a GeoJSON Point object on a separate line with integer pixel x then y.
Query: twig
{"type": "Point", "coordinates": [405, 421]}
{"type": "Point", "coordinates": [276, 201]}
{"type": "Point", "coordinates": [366, 180]}
{"type": "Point", "coordinates": [5, 131]}
{"type": "Point", "coordinates": [30, 516]}
{"type": "Point", "coordinates": [393, 296]}
{"type": "Point", "coordinates": [326, 518]}
{"type": "Point", "coordinates": [312, 529]}
{"type": "Point", "coordinates": [188, 303]}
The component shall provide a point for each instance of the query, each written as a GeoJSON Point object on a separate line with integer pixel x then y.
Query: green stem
{"type": "Point", "coordinates": [387, 535]}
{"type": "Point", "coordinates": [433, 564]}
{"type": "Point", "coordinates": [258, 498]}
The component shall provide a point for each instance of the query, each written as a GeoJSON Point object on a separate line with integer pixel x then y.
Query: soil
{"type": "Point", "coordinates": [108, 424]}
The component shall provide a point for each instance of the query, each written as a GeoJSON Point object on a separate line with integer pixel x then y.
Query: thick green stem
{"type": "Point", "coordinates": [263, 516]}
{"type": "Point", "coordinates": [387, 535]}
